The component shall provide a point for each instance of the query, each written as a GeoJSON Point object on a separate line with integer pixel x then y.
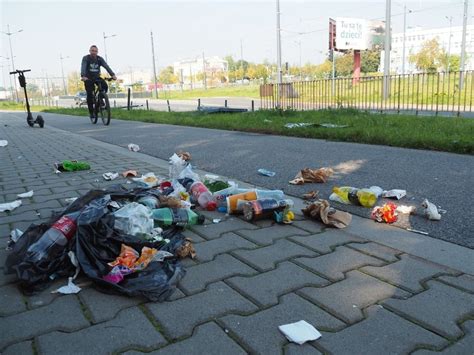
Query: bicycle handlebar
{"type": "Point", "coordinates": [18, 71]}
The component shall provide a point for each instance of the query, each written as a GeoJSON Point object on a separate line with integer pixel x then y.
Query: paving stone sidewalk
{"type": "Point", "coordinates": [365, 297]}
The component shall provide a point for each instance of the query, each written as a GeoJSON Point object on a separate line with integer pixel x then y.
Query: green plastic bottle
{"type": "Point", "coordinates": [176, 216]}
{"type": "Point", "coordinates": [360, 197]}
{"type": "Point", "coordinates": [73, 165]}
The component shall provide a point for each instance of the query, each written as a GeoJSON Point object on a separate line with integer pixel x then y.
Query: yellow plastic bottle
{"type": "Point", "coordinates": [361, 197]}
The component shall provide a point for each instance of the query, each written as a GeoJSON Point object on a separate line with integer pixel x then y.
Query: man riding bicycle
{"type": "Point", "coordinates": [90, 73]}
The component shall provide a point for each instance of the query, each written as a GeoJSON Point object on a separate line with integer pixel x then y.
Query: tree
{"type": "Point", "coordinates": [430, 57]}
{"type": "Point", "coordinates": [454, 61]}
{"type": "Point", "coordinates": [370, 61]}
{"type": "Point", "coordinates": [230, 63]}
{"type": "Point", "coordinates": [167, 76]}
{"type": "Point", "coordinates": [74, 83]}
{"type": "Point", "coordinates": [345, 64]}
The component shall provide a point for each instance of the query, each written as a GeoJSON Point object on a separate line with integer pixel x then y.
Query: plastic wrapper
{"type": "Point", "coordinates": [176, 166]}
{"type": "Point", "coordinates": [134, 219]}
{"type": "Point", "coordinates": [95, 244]}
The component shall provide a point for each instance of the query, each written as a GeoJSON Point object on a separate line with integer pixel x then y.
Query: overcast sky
{"type": "Point", "coordinates": [186, 29]}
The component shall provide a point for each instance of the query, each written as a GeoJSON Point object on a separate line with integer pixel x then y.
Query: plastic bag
{"type": "Point", "coordinates": [134, 219]}
{"type": "Point", "coordinates": [176, 166]}
{"type": "Point", "coordinates": [95, 244]}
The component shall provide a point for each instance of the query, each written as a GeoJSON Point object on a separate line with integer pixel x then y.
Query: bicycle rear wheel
{"type": "Point", "coordinates": [104, 108]}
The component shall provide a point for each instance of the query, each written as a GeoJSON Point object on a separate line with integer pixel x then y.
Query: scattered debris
{"type": "Point", "coordinates": [216, 220]}
{"type": "Point", "coordinates": [70, 199]}
{"type": "Point", "coordinates": [10, 206]}
{"type": "Point", "coordinates": [71, 165]}
{"type": "Point", "coordinates": [386, 213]}
{"type": "Point", "coordinates": [70, 288]}
{"type": "Point", "coordinates": [308, 175]}
{"type": "Point", "coordinates": [266, 208]}
{"type": "Point", "coordinates": [129, 173]}
{"type": "Point", "coordinates": [406, 209]}
{"type": "Point", "coordinates": [298, 125]}
{"type": "Point", "coordinates": [300, 332]}
{"type": "Point", "coordinates": [186, 156]}
{"type": "Point", "coordinates": [148, 179]}
{"type": "Point", "coordinates": [26, 194]}
{"type": "Point", "coordinates": [310, 196]}
{"type": "Point", "coordinates": [332, 125]}
{"type": "Point", "coordinates": [431, 211]}
{"type": "Point", "coordinates": [3, 143]}
{"type": "Point", "coordinates": [110, 176]}
{"type": "Point", "coordinates": [397, 194]}
{"type": "Point", "coordinates": [417, 231]}
{"type": "Point", "coordinates": [133, 147]}
{"type": "Point", "coordinates": [352, 195]}
{"type": "Point", "coordinates": [322, 211]}
{"type": "Point", "coordinates": [187, 249]}
{"type": "Point", "coordinates": [377, 190]}
{"type": "Point", "coordinates": [267, 120]}
{"type": "Point", "coordinates": [265, 172]}
{"type": "Point", "coordinates": [15, 235]}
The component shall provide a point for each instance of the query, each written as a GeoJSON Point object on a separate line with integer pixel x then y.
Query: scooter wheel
{"type": "Point", "coordinates": [31, 123]}
{"type": "Point", "coordinates": [40, 121]}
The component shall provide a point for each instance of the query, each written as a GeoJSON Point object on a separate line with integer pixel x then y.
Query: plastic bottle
{"type": "Point", "coordinates": [72, 165]}
{"type": "Point", "coordinates": [264, 208]}
{"type": "Point", "coordinates": [220, 196]}
{"type": "Point", "coordinates": [54, 240]}
{"type": "Point", "coordinates": [149, 201]}
{"type": "Point", "coordinates": [276, 194]}
{"type": "Point", "coordinates": [176, 216]}
{"type": "Point", "coordinates": [361, 197]}
{"type": "Point", "coordinates": [202, 195]}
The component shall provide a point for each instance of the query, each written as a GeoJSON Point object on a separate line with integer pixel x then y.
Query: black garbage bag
{"type": "Point", "coordinates": [95, 244]}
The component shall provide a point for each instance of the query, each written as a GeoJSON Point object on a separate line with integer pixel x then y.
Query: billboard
{"type": "Point", "coordinates": [346, 33]}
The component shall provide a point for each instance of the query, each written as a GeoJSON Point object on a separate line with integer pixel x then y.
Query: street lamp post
{"type": "Point", "coordinates": [105, 47]}
{"type": "Point", "coordinates": [62, 73]}
{"type": "Point", "coordinates": [9, 34]}
{"type": "Point", "coordinates": [404, 36]}
{"type": "Point", "coordinates": [463, 45]}
{"type": "Point", "coordinates": [279, 73]}
{"type": "Point", "coordinates": [8, 71]}
{"type": "Point", "coordinates": [386, 67]}
{"type": "Point", "coordinates": [450, 19]}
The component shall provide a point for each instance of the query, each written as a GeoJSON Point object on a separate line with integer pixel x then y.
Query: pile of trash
{"type": "Point", "coordinates": [127, 238]}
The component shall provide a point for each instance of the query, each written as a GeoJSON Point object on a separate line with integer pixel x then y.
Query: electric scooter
{"type": "Point", "coordinates": [29, 118]}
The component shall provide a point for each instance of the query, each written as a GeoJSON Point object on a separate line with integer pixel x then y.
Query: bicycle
{"type": "Point", "coordinates": [101, 103]}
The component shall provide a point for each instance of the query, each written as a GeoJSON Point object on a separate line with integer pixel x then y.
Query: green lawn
{"type": "Point", "coordinates": [434, 133]}
{"type": "Point", "coordinates": [251, 91]}
{"type": "Point", "coordinates": [14, 106]}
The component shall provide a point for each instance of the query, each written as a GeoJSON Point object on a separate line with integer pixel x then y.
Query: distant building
{"type": "Point", "coordinates": [416, 37]}
{"type": "Point", "coordinates": [135, 76]}
{"type": "Point", "coordinates": [187, 70]}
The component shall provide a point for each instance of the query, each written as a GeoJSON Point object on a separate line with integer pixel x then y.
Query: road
{"type": "Point", "coordinates": [444, 178]}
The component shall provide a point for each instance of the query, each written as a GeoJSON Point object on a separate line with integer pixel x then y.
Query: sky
{"type": "Point", "coordinates": [186, 29]}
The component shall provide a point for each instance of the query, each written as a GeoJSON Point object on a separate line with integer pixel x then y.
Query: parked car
{"type": "Point", "coordinates": [81, 98]}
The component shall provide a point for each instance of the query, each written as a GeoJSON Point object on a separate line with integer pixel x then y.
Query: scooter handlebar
{"type": "Point", "coordinates": [18, 71]}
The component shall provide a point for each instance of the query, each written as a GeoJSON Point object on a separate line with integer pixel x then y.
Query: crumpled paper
{"type": "Point", "coordinates": [386, 213]}
{"type": "Point", "coordinates": [110, 176]}
{"type": "Point", "coordinates": [300, 332]}
{"type": "Point", "coordinates": [431, 211]}
{"type": "Point", "coordinates": [10, 206]}
{"type": "Point", "coordinates": [186, 156]}
{"type": "Point", "coordinates": [306, 175]}
{"type": "Point", "coordinates": [26, 194]}
{"type": "Point", "coordinates": [321, 210]}
{"type": "Point", "coordinates": [186, 250]}
{"type": "Point", "coordinates": [133, 147]}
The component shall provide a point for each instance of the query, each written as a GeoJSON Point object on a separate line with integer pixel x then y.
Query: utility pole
{"type": "Point", "coordinates": [105, 47]}
{"type": "Point", "coordinates": [204, 79]}
{"type": "Point", "coordinates": [154, 65]}
{"type": "Point", "coordinates": [242, 60]}
{"type": "Point", "coordinates": [463, 45]}
{"type": "Point", "coordinates": [404, 36]}
{"type": "Point", "coordinates": [9, 34]}
{"type": "Point", "coordinates": [450, 19]}
{"type": "Point", "coordinates": [62, 73]}
{"type": "Point", "coordinates": [279, 73]}
{"type": "Point", "coordinates": [388, 34]}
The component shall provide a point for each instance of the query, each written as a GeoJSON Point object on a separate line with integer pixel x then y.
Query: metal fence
{"type": "Point", "coordinates": [435, 93]}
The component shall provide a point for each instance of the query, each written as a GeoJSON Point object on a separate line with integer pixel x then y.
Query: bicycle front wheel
{"type": "Point", "coordinates": [104, 108]}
